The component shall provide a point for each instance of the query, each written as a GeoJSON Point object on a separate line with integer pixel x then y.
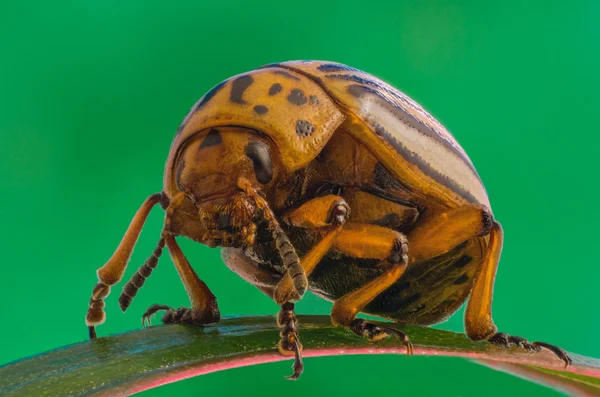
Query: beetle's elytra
{"type": "Point", "coordinates": [315, 175]}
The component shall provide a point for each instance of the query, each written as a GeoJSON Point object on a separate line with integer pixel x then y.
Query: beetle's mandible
{"type": "Point", "coordinates": [318, 176]}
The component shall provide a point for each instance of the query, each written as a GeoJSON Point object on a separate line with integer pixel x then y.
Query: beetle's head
{"type": "Point", "coordinates": [209, 170]}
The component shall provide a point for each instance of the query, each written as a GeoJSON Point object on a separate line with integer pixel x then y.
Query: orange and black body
{"type": "Point", "coordinates": [317, 176]}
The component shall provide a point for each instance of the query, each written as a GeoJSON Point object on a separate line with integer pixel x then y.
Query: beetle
{"type": "Point", "coordinates": [317, 176]}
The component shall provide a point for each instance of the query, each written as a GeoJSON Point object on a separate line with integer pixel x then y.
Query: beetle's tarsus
{"type": "Point", "coordinates": [289, 341]}
{"type": "Point", "coordinates": [182, 315]}
{"type": "Point", "coordinates": [505, 340]}
{"type": "Point", "coordinates": [376, 333]}
{"type": "Point", "coordinates": [298, 365]}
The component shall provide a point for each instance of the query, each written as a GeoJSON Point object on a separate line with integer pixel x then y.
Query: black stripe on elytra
{"type": "Point", "coordinates": [260, 109]}
{"type": "Point", "coordinates": [395, 107]}
{"type": "Point", "coordinates": [287, 74]}
{"type": "Point", "coordinates": [297, 97]}
{"type": "Point", "coordinates": [213, 138]}
{"type": "Point", "coordinates": [209, 95]}
{"type": "Point", "coordinates": [203, 101]}
{"type": "Point", "coordinates": [414, 158]}
{"type": "Point", "coordinates": [275, 89]}
{"type": "Point", "coordinates": [238, 86]}
{"type": "Point", "coordinates": [270, 65]}
{"type": "Point", "coordinates": [335, 67]}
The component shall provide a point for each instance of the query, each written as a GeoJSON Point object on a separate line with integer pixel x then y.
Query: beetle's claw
{"type": "Point", "coordinates": [376, 333]}
{"type": "Point", "coordinates": [147, 316]}
{"type": "Point", "coordinates": [560, 353]}
{"type": "Point", "coordinates": [298, 365]}
{"type": "Point", "coordinates": [403, 338]}
{"type": "Point", "coordinates": [505, 340]}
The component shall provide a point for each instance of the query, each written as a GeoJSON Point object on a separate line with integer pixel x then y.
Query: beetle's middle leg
{"type": "Point", "coordinates": [204, 309]}
{"type": "Point", "coordinates": [374, 242]}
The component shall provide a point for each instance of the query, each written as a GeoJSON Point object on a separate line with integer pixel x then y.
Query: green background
{"type": "Point", "coordinates": [91, 93]}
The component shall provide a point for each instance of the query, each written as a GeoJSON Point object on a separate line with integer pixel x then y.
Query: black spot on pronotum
{"type": "Point", "coordinates": [313, 100]}
{"type": "Point", "coordinates": [461, 280]}
{"type": "Point", "coordinates": [213, 138]}
{"type": "Point", "coordinates": [288, 75]}
{"type": "Point", "coordinates": [260, 109]}
{"type": "Point", "coordinates": [275, 89]}
{"type": "Point", "coordinates": [238, 87]}
{"type": "Point", "coordinates": [297, 97]}
{"type": "Point", "coordinates": [209, 95]}
{"type": "Point", "coordinates": [304, 128]}
{"type": "Point", "coordinates": [258, 152]}
{"type": "Point", "coordinates": [203, 101]}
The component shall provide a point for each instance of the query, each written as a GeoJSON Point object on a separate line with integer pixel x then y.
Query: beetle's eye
{"type": "Point", "coordinates": [258, 152]}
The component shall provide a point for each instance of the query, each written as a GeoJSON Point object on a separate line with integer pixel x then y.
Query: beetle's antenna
{"type": "Point", "coordinates": [136, 282]}
{"type": "Point", "coordinates": [286, 250]}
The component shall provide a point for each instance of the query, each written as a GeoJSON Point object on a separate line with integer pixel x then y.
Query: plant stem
{"type": "Point", "coordinates": [128, 363]}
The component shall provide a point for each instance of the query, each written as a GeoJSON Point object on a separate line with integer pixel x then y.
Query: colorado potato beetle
{"type": "Point", "coordinates": [318, 176]}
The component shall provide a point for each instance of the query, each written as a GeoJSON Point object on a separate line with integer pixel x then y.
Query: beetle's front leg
{"type": "Point", "coordinates": [112, 272]}
{"type": "Point", "coordinates": [289, 342]}
{"type": "Point", "coordinates": [328, 213]}
{"type": "Point", "coordinates": [204, 308]}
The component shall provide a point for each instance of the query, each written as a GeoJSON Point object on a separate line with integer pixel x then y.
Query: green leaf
{"type": "Point", "coordinates": [124, 364]}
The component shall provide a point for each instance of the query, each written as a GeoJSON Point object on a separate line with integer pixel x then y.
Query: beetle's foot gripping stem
{"type": "Point", "coordinates": [289, 342]}
{"type": "Point", "coordinates": [376, 333]}
{"type": "Point", "coordinates": [505, 340]}
{"type": "Point", "coordinates": [182, 315]}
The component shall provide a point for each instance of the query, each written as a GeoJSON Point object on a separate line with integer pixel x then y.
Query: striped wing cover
{"type": "Point", "coordinates": [419, 141]}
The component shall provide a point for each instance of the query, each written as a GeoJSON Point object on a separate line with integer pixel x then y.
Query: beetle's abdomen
{"type": "Point", "coordinates": [427, 293]}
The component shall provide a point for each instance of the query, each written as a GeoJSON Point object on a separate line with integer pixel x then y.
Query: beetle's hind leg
{"type": "Point", "coordinates": [375, 242]}
{"type": "Point", "coordinates": [478, 316]}
{"type": "Point", "coordinates": [204, 309]}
